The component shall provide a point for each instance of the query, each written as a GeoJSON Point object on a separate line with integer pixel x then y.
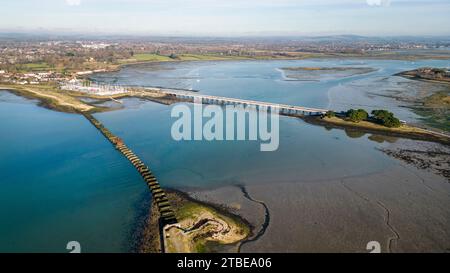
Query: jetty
{"type": "Point", "coordinates": [167, 215]}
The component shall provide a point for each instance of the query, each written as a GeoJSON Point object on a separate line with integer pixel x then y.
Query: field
{"type": "Point", "coordinates": [35, 67]}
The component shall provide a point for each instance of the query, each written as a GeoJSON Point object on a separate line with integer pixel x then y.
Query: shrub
{"type": "Point", "coordinates": [357, 115]}
{"type": "Point", "coordinates": [386, 118]}
{"type": "Point", "coordinates": [381, 114]}
{"type": "Point", "coordinates": [391, 122]}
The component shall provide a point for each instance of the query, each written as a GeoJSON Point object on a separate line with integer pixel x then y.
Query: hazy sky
{"type": "Point", "coordinates": [229, 17]}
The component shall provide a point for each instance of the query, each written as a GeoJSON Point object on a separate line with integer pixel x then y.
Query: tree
{"type": "Point", "coordinates": [386, 118]}
{"type": "Point", "coordinates": [381, 114]}
{"type": "Point", "coordinates": [357, 115]}
{"type": "Point", "coordinates": [392, 122]}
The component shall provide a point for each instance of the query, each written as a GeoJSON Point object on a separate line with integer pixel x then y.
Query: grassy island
{"type": "Point", "coordinates": [201, 228]}
{"type": "Point", "coordinates": [380, 122]}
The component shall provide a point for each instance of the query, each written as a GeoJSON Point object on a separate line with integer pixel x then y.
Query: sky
{"type": "Point", "coordinates": [228, 17]}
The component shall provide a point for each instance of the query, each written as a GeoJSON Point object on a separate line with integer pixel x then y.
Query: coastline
{"type": "Point", "coordinates": [343, 214]}
{"type": "Point", "coordinates": [300, 56]}
{"type": "Point", "coordinates": [153, 241]}
{"type": "Point", "coordinates": [70, 102]}
{"type": "Point", "coordinates": [406, 75]}
{"type": "Point", "coordinates": [270, 241]}
{"type": "Point", "coordinates": [66, 101]}
{"type": "Point", "coordinates": [408, 132]}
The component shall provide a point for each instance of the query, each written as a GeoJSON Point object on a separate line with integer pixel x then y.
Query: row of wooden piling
{"type": "Point", "coordinates": [159, 196]}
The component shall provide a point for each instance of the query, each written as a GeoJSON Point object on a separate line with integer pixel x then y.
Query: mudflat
{"type": "Point", "coordinates": [403, 208]}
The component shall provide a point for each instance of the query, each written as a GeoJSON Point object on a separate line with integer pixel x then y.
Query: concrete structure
{"type": "Point", "coordinates": [161, 200]}
{"type": "Point", "coordinates": [283, 109]}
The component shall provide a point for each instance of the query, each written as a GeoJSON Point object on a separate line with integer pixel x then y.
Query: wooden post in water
{"type": "Point", "coordinates": [161, 200]}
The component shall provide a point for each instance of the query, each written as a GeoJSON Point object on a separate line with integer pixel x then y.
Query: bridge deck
{"type": "Point", "coordinates": [220, 100]}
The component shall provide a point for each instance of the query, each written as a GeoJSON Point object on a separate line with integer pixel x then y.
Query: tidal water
{"type": "Point", "coordinates": [61, 180]}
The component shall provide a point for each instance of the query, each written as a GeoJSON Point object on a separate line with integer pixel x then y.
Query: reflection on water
{"type": "Point", "coordinates": [354, 133]}
{"type": "Point", "coordinates": [306, 153]}
{"type": "Point", "coordinates": [62, 181]}
{"type": "Point", "coordinates": [382, 139]}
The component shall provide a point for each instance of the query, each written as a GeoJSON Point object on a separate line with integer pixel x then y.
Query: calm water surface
{"type": "Point", "coordinates": [62, 181]}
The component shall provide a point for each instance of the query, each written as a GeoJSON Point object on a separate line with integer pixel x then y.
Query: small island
{"type": "Point", "coordinates": [439, 75]}
{"type": "Point", "coordinates": [321, 73]}
{"type": "Point", "coordinates": [201, 228]}
{"type": "Point", "coordinates": [379, 121]}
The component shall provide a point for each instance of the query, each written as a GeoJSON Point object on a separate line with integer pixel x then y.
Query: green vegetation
{"type": "Point", "coordinates": [382, 117]}
{"type": "Point", "coordinates": [435, 110]}
{"type": "Point", "coordinates": [438, 100]}
{"type": "Point", "coordinates": [35, 67]}
{"type": "Point", "coordinates": [357, 115]}
{"type": "Point", "coordinates": [150, 57]}
{"type": "Point", "coordinates": [208, 57]}
{"type": "Point", "coordinates": [153, 57]}
{"type": "Point", "coordinates": [386, 118]}
{"type": "Point", "coordinates": [330, 114]}
{"type": "Point", "coordinates": [209, 227]}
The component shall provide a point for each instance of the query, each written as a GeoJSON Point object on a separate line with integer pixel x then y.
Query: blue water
{"type": "Point", "coordinates": [61, 180]}
{"type": "Point", "coordinates": [257, 80]}
{"type": "Point", "coordinates": [305, 151]}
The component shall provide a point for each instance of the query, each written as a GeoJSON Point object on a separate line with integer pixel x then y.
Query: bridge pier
{"type": "Point", "coordinates": [271, 107]}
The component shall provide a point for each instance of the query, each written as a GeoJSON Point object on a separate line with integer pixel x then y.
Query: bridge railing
{"type": "Point", "coordinates": [188, 95]}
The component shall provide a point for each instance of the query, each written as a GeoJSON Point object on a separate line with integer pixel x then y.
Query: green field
{"type": "Point", "coordinates": [151, 57]}
{"type": "Point", "coordinates": [146, 57]}
{"type": "Point", "coordinates": [197, 57]}
{"type": "Point", "coordinates": [35, 67]}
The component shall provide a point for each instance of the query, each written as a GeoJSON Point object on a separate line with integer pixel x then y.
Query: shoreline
{"type": "Point", "coordinates": [409, 132]}
{"type": "Point", "coordinates": [301, 56]}
{"type": "Point", "coordinates": [152, 239]}
{"type": "Point", "coordinates": [68, 102]}
{"type": "Point", "coordinates": [262, 242]}
{"type": "Point", "coordinates": [406, 75]}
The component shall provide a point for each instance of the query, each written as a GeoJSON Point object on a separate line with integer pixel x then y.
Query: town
{"type": "Point", "coordinates": [43, 60]}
